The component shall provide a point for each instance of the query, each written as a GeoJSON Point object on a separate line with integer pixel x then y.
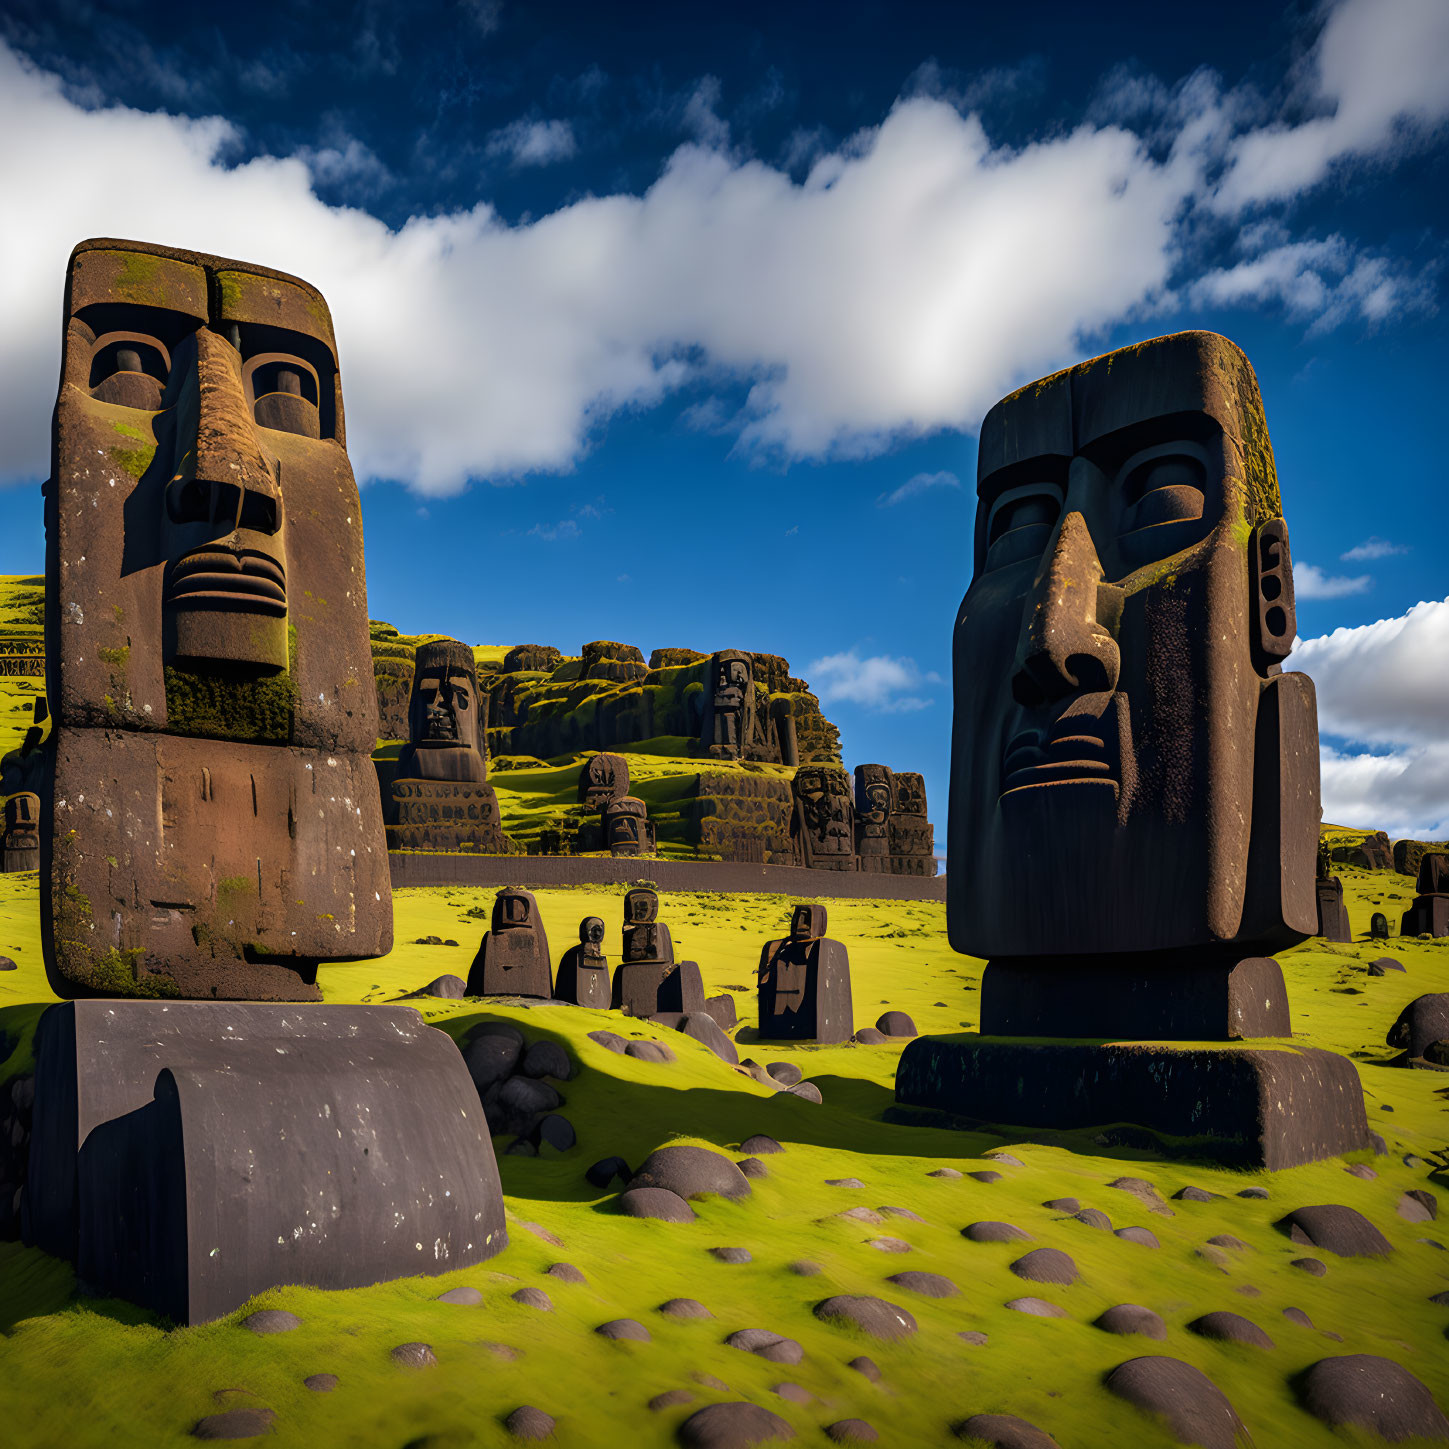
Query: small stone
{"type": "Point", "coordinates": [464, 1297]}
{"type": "Point", "coordinates": [1063, 1205]}
{"type": "Point", "coordinates": [1195, 1194]}
{"type": "Point", "coordinates": [843, 1182]}
{"type": "Point", "coordinates": [271, 1320]}
{"type": "Point", "coordinates": [973, 1336]}
{"type": "Point", "coordinates": [786, 1073]}
{"type": "Point", "coordinates": [1036, 1307]}
{"type": "Point", "coordinates": [605, 1170]}
{"type": "Point", "coordinates": [752, 1167]}
{"type": "Point", "coordinates": [1215, 1256]}
{"type": "Point", "coordinates": [767, 1345]}
{"type": "Point", "coordinates": [649, 1051]}
{"type": "Point", "coordinates": [732, 1255]}
{"type": "Point", "coordinates": [491, 1057]}
{"type": "Point", "coordinates": [1045, 1265]}
{"type": "Point", "coordinates": [900, 1212]}
{"type": "Point", "coordinates": [1258, 1192]}
{"type": "Point", "coordinates": [414, 1355]}
{"type": "Point", "coordinates": [1440, 1300]}
{"type": "Point", "coordinates": [874, 1316]}
{"type": "Point", "coordinates": [946, 1172]}
{"type": "Point", "coordinates": [994, 1232]}
{"type": "Point", "coordinates": [320, 1383]}
{"type": "Point", "coordinates": [565, 1273]}
{"type": "Point", "coordinates": [895, 1023]}
{"type": "Point", "coordinates": [234, 1424]}
{"type": "Point", "coordinates": [804, 1268]}
{"type": "Point", "coordinates": [533, 1298]}
{"type": "Point", "coordinates": [1298, 1316]}
{"type": "Point", "coordinates": [865, 1367]}
{"type": "Point", "coordinates": [684, 1308]}
{"type": "Point", "coordinates": [1094, 1218]}
{"type": "Point", "coordinates": [609, 1040]}
{"type": "Point", "coordinates": [670, 1398]}
{"type": "Point", "coordinates": [1144, 1237]}
{"type": "Point", "coordinates": [7, 964]}
{"type": "Point", "coordinates": [1358, 1169]}
{"type": "Point", "coordinates": [851, 1431]}
{"type": "Point", "coordinates": [1230, 1328]}
{"type": "Point", "coordinates": [1339, 1229]}
{"type": "Point", "coordinates": [1005, 1158]}
{"type": "Point", "coordinates": [709, 1381]}
{"type": "Point", "coordinates": [1004, 1431]}
{"type": "Point", "coordinates": [1129, 1318]}
{"type": "Point", "coordinates": [889, 1245]}
{"type": "Point", "coordinates": [1227, 1240]}
{"type": "Point", "coordinates": [806, 1091]}
{"type": "Point", "coordinates": [1418, 1205]}
{"type": "Point", "coordinates": [1315, 1267]}
{"type": "Point", "coordinates": [526, 1422]}
{"type": "Point", "coordinates": [690, 1172]}
{"type": "Point", "coordinates": [557, 1131]}
{"type": "Point", "coordinates": [1366, 1392]}
{"type": "Point", "coordinates": [722, 1008]}
{"type": "Point", "coordinates": [760, 1146]}
{"type": "Point", "coordinates": [1384, 965]}
{"type": "Point", "coordinates": [869, 1036]}
{"type": "Point", "coordinates": [793, 1392]}
{"type": "Point", "coordinates": [732, 1426]}
{"type": "Point", "coordinates": [929, 1285]}
{"type": "Point", "coordinates": [624, 1328]}
{"type": "Point", "coordinates": [655, 1202]}
{"type": "Point", "coordinates": [446, 987]}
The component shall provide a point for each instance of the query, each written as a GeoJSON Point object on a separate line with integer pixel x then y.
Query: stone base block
{"type": "Point", "coordinates": [1271, 1107]}
{"type": "Point", "coordinates": [188, 1155]}
{"type": "Point", "coordinates": [645, 988]}
{"type": "Point", "coordinates": [1427, 914]}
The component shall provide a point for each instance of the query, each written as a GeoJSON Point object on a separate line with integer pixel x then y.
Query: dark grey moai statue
{"type": "Point", "coordinates": [513, 957]}
{"type": "Point", "coordinates": [804, 983]}
{"type": "Point", "coordinates": [913, 840]}
{"type": "Point", "coordinates": [1134, 781]}
{"type": "Point", "coordinates": [583, 974]}
{"type": "Point", "coordinates": [627, 829]}
{"type": "Point", "coordinates": [1333, 924]}
{"type": "Point", "coordinates": [729, 720]}
{"type": "Point", "coordinates": [1429, 915]}
{"type": "Point", "coordinates": [823, 823]}
{"type": "Point", "coordinates": [21, 844]}
{"type": "Point", "coordinates": [603, 778]}
{"type": "Point", "coordinates": [874, 795]}
{"type": "Point", "coordinates": [649, 980]}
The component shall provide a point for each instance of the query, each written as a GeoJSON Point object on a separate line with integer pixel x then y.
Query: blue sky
{"type": "Point", "coordinates": [675, 325]}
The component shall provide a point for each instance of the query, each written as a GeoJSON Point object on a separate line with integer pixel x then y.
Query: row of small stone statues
{"type": "Point", "coordinates": [1427, 916]}
{"type": "Point", "coordinates": [804, 978]}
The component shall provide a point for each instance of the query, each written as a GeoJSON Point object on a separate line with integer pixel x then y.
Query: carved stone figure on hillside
{"type": "Point", "coordinates": [583, 974]}
{"type": "Point", "coordinates": [913, 840]}
{"type": "Point", "coordinates": [804, 983]}
{"type": "Point", "coordinates": [513, 958]}
{"type": "Point", "coordinates": [627, 830]}
{"type": "Point", "coordinates": [213, 825]}
{"type": "Point", "coordinates": [1430, 912]}
{"type": "Point", "coordinates": [823, 827]}
{"type": "Point", "coordinates": [21, 845]}
{"type": "Point", "coordinates": [873, 797]}
{"type": "Point", "coordinates": [1134, 789]}
{"type": "Point", "coordinates": [1332, 914]}
{"type": "Point", "coordinates": [603, 778]}
{"type": "Point", "coordinates": [649, 980]}
{"type": "Point", "coordinates": [729, 721]}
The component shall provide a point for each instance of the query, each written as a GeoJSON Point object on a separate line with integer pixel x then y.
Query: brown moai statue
{"type": "Point", "coordinates": [583, 974]}
{"type": "Point", "coordinates": [823, 825]}
{"type": "Point", "coordinates": [649, 980]}
{"type": "Point", "coordinates": [1429, 915]}
{"type": "Point", "coordinates": [440, 796]}
{"type": "Point", "coordinates": [23, 768]}
{"type": "Point", "coordinates": [1378, 927]}
{"type": "Point", "coordinates": [1134, 783]}
{"type": "Point", "coordinates": [513, 958]}
{"type": "Point", "coordinates": [804, 983]}
{"type": "Point", "coordinates": [627, 831]}
{"type": "Point", "coordinates": [729, 718]}
{"type": "Point", "coordinates": [602, 779]}
{"type": "Point", "coordinates": [913, 840]}
{"type": "Point", "coordinates": [1333, 922]}
{"type": "Point", "coordinates": [212, 824]}
{"type": "Point", "coordinates": [874, 797]}
{"type": "Point", "coordinates": [21, 844]}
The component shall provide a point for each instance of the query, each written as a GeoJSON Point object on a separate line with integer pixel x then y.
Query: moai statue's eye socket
{"type": "Point", "coordinates": [129, 370]}
{"type": "Point", "coordinates": [285, 396]}
{"type": "Point", "coordinates": [1021, 524]}
{"type": "Point", "coordinates": [1163, 499]}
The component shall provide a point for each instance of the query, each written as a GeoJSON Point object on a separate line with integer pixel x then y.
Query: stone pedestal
{"type": "Point", "coordinates": [188, 1155]}
{"type": "Point", "coordinates": [645, 988]}
{"type": "Point", "coordinates": [1245, 1106]}
{"type": "Point", "coordinates": [804, 991]}
{"type": "Point", "coordinates": [452, 815]}
{"type": "Point", "coordinates": [1428, 914]}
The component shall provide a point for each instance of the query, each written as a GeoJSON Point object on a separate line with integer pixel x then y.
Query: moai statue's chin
{"type": "Point", "coordinates": [1134, 780]}
{"type": "Point", "coordinates": [804, 983]}
{"type": "Point", "coordinates": [213, 828]}
{"type": "Point", "coordinates": [583, 974]}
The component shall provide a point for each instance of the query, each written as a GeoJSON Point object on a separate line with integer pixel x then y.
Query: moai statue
{"type": "Point", "coordinates": [873, 798]}
{"type": "Point", "coordinates": [1429, 915]}
{"type": "Point", "coordinates": [913, 841]}
{"type": "Point", "coordinates": [583, 974]}
{"type": "Point", "coordinates": [440, 796]}
{"type": "Point", "coordinates": [649, 980]}
{"type": "Point", "coordinates": [1378, 927]}
{"type": "Point", "coordinates": [823, 824]}
{"type": "Point", "coordinates": [513, 957]}
{"type": "Point", "coordinates": [1332, 913]}
{"type": "Point", "coordinates": [729, 719]}
{"type": "Point", "coordinates": [804, 983]}
{"type": "Point", "coordinates": [602, 779]}
{"type": "Point", "coordinates": [1134, 782]}
{"type": "Point", "coordinates": [627, 830]}
{"type": "Point", "coordinates": [212, 826]}
{"type": "Point", "coordinates": [21, 845]}
{"type": "Point", "coordinates": [23, 768]}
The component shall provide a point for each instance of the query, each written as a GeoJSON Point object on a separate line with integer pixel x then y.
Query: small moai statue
{"type": "Point", "coordinates": [729, 717]}
{"type": "Point", "coordinates": [804, 983]}
{"type": "Point", "coordinates": [627, 831]}
{"type": "Point", "coordinates": [1429, 915]}
{"type": "Point", "coordinates": [823, 824]}
{"type": "Point", "coordinates": [649, 980]}
{"type": "Point", "coordinates": [1378, 927]}
{"type": "Point", "coordinates": [603, 778]}
{"type": "Point", "coordinates": [440, 797]}
{"type": "Point", "coordinates": [513, 957]}
{"type": "Point", "coordinates": [913, 841]}
{"type": "Point", "coordinates": [1332, 913]}
{"type": "Point", "coordinates": [583, 974]}
{"type": "Point", "coordinates": [873, 798]}
{"type": "Point", "coordinates": [23, 769]}
{"type": "Point", "coordinates": [21, 845]}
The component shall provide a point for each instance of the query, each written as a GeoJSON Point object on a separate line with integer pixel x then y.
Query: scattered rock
{"type": "Point", "coordinates": [446, 987]}
{"type": "Point", "coordinates": [752, 1167]}
{"type": "Point", "coordinates": [610, 1041]}
{"type": "Point", "coordinates": [1005, 1158]}
{"type": "Point", "coordinates": [889, 1245]}
{"type": "Point", "coordinates": [1298, 1316]}
{"type": "Point", "coordinates": [732, 1255]}
{"type": "Point", "coordinates": [414, 1355]}
{"type": "Point", "coordinates": [1314, 1267]}
{"type": "Point", "coordinates": [1421, 1022]}
{"type": "Point", "coordinates": [684, 1308]}
{"type": "Point", "coordinates": [947, 1172]}
{"type": "Point", "coordinates": [865, 1215]}
{"type": "Point", "coordinates": [1195, 1194]}
{"type": "Point", "coordinates": [984, 1174]}
{"type": "Point", "coordinates": [526, 1422]}
{"type": "Point", "coordinates": [1230, 1328]}
{"type": "Point", "coordinates": [869, 1036]}
{"type": "Point", "coordinates": [556, 1131]}
{"type": "Point", "coordinates": [1063, 1205]}
{"type": "Point", "coordinates": [1143, 1236]}
{"type": "Point", "coordinates": [320, 1383]}
{"type": "Point", "coordinates": [520, 1100]}
{"type": "Point", "coordinates": [605, 1170]}
{"type": "Point", "coordinates": [804, 1268]}
{"type": "Point", "coordinates": [895, 1023]}
{"type": "Point", "coordinates": [793, 1392]}
{"type": "Point", "coordinates": [1215, 1256]}
{"type": "Point", "coordinates": [865, 1367]}
{"type": "Point", "coordinates": [670, 1399]}
{"type": "Point", "coordinates": [1440, 1300]}
{"type": "Point", "coordinates": [972, 1336]}
{"type": "Point", "coordinates": [6, 964]}
{"type": "Point", "coordinates": [649, 1051]}
{"type": "Point", "coordinates": [464, 1297]}
{"type": "Point", "coordinates": [1418, 1205]}
{"type": "Point", "coordinates": [1359, 1170]}
{"type": "Point", "coordinates": [654, 1202]}
{"type": "Point", "coordinates": [760, 1146]}
{"type": "Point", "coordinates": [844, 1182]}
{"type": "Point", "coordinates": [851, 1431]}
{"type": "Point", "coordinates": [491, 1057]}
{"type": "Point", "coordinates": [703, 1028]}
{"type": "Point", "coordinates": [1227, 1240]}
{"type": "Point", "coordinates": [690, 1172]}
{"type": "Point", "coordinates": [271, 1320]}
{"type": "Point", "coordinates": [547, 1059]}
{"type": "Point", "coordinates": [1384, 965]}
{"type": "Point", "coordinates": [722, 1008]}
{"type": "Point", "coordinates": [1338, 1229]}
{"type": "Point", "coordinates": [767, 1345]}
{"type": "Point", "coordinates": [1196, 1410]}
{"type": "Point", "coordinates": [1045, 1265]}
{"type": "Point", "coordinates": [874, 1316]}
{"type": "Point", "coordinates": [1371, 1393]}
{"type": "Point", "coordinates": [1253, 1192]}
{"type": "Point", "coordinates": [1036, 1307]}
{"type": "Point", "coordinates": [620, 1328]}
{"type": "Point", "coordinates": [899, 1212]}
{"type": "Point", "coordinates": [709, 1381]}
{"type": "Point", "coordinates": [533, 1298]}
{"type": "Point", "coordinates": [1094, 1218]}
{"type": "Point", "coordinates": [806, 1091]}
{"type": "Point", "coordinates": [1004, 1431]}
{"type": "Point", "coordinates": [994, 1232]}
{"type": "Point", "coordinates": [565, 1273]}
{"type": "Point", "coordinates": [929, 1285]}
{"type": "Point", "coordinates": [1128, 1318]}
{"type": "Point", "coordinates": [732, 1426]}
{"type": "Point", "coordinates": [786, 1073]}
{"type": "Point", "coordinates": [234, 1424]}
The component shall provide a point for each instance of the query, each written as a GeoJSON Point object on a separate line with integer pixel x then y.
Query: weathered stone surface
{"type": "Point", "coordinates": [513, 958]}
{"type": "Point", "coordinates": [1196, 1194]}
{"type": "Point", "coordinates": [1128, 1318]}
{"type": "Point", "coordinates": [609, 1040]}
{"type": "Point", "coordinates": [752, 1167]}
{"type": "Point", "coordinates": [722, 1008]}
{"type": "Point", "coordinates": [271, 1320]}
{"type": "Point", "coordinates": [605, 1170]}
{"type": "Point", "coordinates": [866, 1367]}
{"type": "Point", "coordinates": [1036, 1307]}
{"type": "Point", "coordinates": [684, 1308]}
{"type": "Point", "coordinates": [529, 1423]}
{"type": "Point", "coordinates": [895, 1023]}
{"type": "Point", "coordinates": [851, 1431]}
{"type": "Point", "coordinates": [547, 1059]}
{"type": "Point", "coordinates": [1364, 1391]}
{"type": "Point", "coordinates": [805, 1091]}
{"type": "Point", "coordinates": [1094, 1218]}
{"type": "Point", "coordinates": [786, 1073]}
{"type": "Point", "coordinates": [1314, 1267]}
{"type": "Point", "coordinates": [732, 1255]}
{"type": "Point", "coordinates": [1143, 1237]}
{"type": "Point", "coordinates": [1045, 1265]}
{"type": "Point", "coordinates": [492, 1057]}
{"type": "Point", "coordinates": [655, 1202]}
{"type": "Point", "coordinates": [822, 828]}
{"type": "Point", "coordinates": [320, 1383]}
{"type": "Point", "coordinates": [624, 1328]}
{"type": "Point", "coordinates": [465, 1297]}
{"type": "Point", "coordinates": [691, 1172]}
{"type": "Point", "coordinates": [650, 1051]}
{"type": "Point", "coordinates": [794, 1393]}
{"type": "Point", "coordinates": [533, 1298]}
{"type": "Point", "coordinates": [929, 1285]}
{"type": "Point", "coordinates": [732, 1426]}
{"type": "Point", "coordinates": [1230, 1328]}
{"type": "Point", "coordinates": [1341, 1230]}
{"type": "Point", "coordinates": [994, 1232]}
{"type": "Point", "coordinates": [764, 1343]}
{"type": "Point", "coordinates": [1418, 1205]}
{"type": "Point", "coordinates": [414, 1355]}
{"type": "Point", "coordinates": [235, 1424]}
{"type": "Point", "coordinates": [874, 1316]}
{"type": "Point", "coordinates": [565, 1273]}
{"type": "Point", "coordinates": [869, 1036]}
{"type": "Point", "coordinates": [1422, 1022]}
{"type": "Point", "coordinates": [670, 1399]}
{"type": "Point", "coordinates": [1194, 1409]}
{"type": "Point", "coordinates": [1004, 1431]}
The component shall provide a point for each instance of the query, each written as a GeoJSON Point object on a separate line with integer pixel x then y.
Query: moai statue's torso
{"type": "Point", "coordinates": [804, 983]}
{"type": "Point", "coordinates": [583, 974]}
{"type": "Point", "coordinates": [513, 958]}
{"type": "Point", "coordinates": [873, 796]}
{"type": "Point", "coordinates": [823, 825]}
{"type": "Point", "coordinates": [213, 826]}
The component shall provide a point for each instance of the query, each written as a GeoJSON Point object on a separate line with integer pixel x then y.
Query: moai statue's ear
{"type": "Point", "coordinates": [1275, 619]}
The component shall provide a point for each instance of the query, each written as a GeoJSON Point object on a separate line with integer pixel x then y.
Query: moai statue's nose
{"type": "Point", "coordinates": [1065, 647]}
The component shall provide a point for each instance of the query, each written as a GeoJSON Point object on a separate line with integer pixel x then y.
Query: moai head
{"type": "Point", "coordinates": [733, 674]}
{"type": "Point", "coordinates": [641, 907]}
{"type": "Point", "coordinates": [1433, 873]}
{"type": "Point", "coordinates": [443, 712]}
{"type": "Point", "coordinates": [908, 793]}
{"type": "Point", "coordinates": [822, 795]}
{"type": "Point", "coordinates": [1130, 770]}
{"type": "Point", "coordinates": [807, 923]}
{"type": "Point", "coordinates": [591, 935]}
{"type": "Point", "coordinates": [22, 821]}
{"type": "Point", "coordinates": [514, 910]}
{"type": "Point", "coordinates": [604, 778]}
{"type": "Point", "coordinates": [1379, 926]}
{"type": "Point", "coordinates": [625, 831]}
{"type": "Point", "coordinates": [873, 795]}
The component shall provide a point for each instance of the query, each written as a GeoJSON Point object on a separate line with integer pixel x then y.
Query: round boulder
{"type": "Point", "coordinates": [851, 1431]}
{"type": "Point", "coordinates": [882, 1320]}
{"type": "Point", "coordinates": [690, 1172]}
{"type": "Point", "coordinates": [526, 1422]}
{"type": "Point", "coordinates": [655, 1202]}
{"type": "Point", "coordinates": [865, 1367]}
{"type": "Point", "coordinates": [767, 1345]}
{"type": "Point", "coordinates": [1194, 1408]}
{"type": "Point", "coordinates": [1418, 1205]}
{"type": "Point", "coordinates": [869, 1036]}
{"type": "Point", "coordinates": [1045, 1265]}
{"type": "Point", "coordinates": [565, 1273]}
{"type": "Point", "coordinates": [760, 1146]}
{"type": "Point", "coordinates": [752, 1167]}
{"type": "Point", "coordinates": [732, 1426]}
{"type": "Point", "coordinates": [464, 1297]}
{"type": "Point", "coordinates": [1004, 1431]}
{"type": "Point", "coordinates": [320, 1383]}
{"type": "Point", "coordinates": [806, 1091]}
{"type": "Point", "coordinates": [234, 1424]}
{"type": "Point", "coordinates": [684, 1308]}
{"type": "Point", "coordinates": [786, 1073]}
{"type": "Point", "coordinates": [609, 1040]}
{"type": "Point", "coordinates": [1126, 1318]}
{"type": "Point", "coordinates": [414, 1355]}
{"type": "Point", "coordinates": [1230, 1328]}
{"type": "Point", "coordinates": [649, 1051]}
{"type": "Point", "coordinates": [605, 1170]}
{"type": "Point", "coordinates": [895, 1023]}
{"type": "Point", "coordinates": [624, 1328]}
{"type": "Point", "coordinates": [533, 1298]}
{"type": "Point", "coordinates": [703, 1028]}
{"type": "Point", "coordinates": [1337, 1229]}
{"type": "Point", "coordinates": [929, 1285]}
{"type": "Point", "coordinates": [547, 1059]}
{"type": "Point", "coordinates": [1366, 1392]}
{"type": "Point", "coordinates": [1036, 1308]}
{"type": "Point", "coordinates": [732, 1255]}
{"type": "Point", "coordinates": [1144, 1237]}
{"type": "Point", "coordinates": [1094, 1218]}
{"type": "Point", "coordinates": [491, 1057]}
{"type": "Point", "coordinates": [1421, 1022]}
{"type": "Point", "coordinates": [271, 1320]}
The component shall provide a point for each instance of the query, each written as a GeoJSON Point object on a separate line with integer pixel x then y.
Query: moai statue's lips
{"type": "Point", "coordinates": [237, 581]}
{"type": "Point", "coordinates": [1071, 751]}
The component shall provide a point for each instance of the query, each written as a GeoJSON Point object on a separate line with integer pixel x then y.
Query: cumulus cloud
{"type": "Point", "coordinates": [533, 143]}
{"type": "Point", "coordinates": [880, 682]}
{"type": "Point", "coordinates": [1383, 688]}
{"type": "Point", "coordinates": [1310, 582]}
{"type": "Point", "coordinates": [914, 487]}
{"type": "Point", "coordinates": [1373, 548]}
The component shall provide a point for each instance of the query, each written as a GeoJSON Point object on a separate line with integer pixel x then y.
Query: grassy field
{"type": "Point", "coordinates": [79, 1371]}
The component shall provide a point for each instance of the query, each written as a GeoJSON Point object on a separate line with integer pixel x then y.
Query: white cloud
{"type": "Point", "coordinates": [880, 682]}
{"type": "Point", "coordinates": [553, 532]}
{"type": "Point", "coordinates": [1378, 75]}
{"type": "Point", "coordinates": [1310, 582]}
{"type": "Point", "coordinates": [1383, 687]}
{"type": "Point", "coordinates": [914, 487]}
{"type": "Point", "coordinates": [533, 143]}
{"type": "Point", "coordinates": [1373, 548]}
